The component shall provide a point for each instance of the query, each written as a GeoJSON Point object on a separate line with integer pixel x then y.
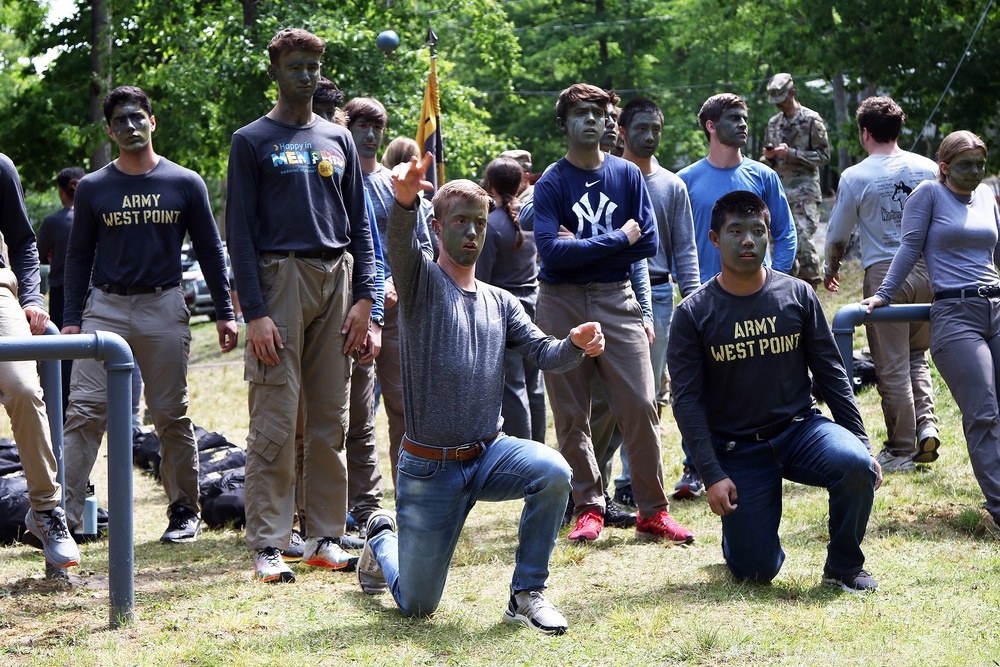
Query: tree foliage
{"type": "Point", "coordinates": [501, 62]}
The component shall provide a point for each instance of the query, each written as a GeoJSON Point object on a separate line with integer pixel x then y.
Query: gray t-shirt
{"type": "Point", "coordinates": [452, 344]}
{"type": "Point", "coordinates": [677, 251]}
{"type": "Point", "coordinates": [872, 193]}
{"type": "Point", "coordinates": [957, 235]}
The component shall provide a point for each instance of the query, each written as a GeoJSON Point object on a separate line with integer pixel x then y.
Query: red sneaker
{"type": "Point", "coordinates": [662, 527]}
{"type": "Point", "coordinates": [588, 527]}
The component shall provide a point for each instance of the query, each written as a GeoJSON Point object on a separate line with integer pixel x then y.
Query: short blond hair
{"type": "Point", "coordinates": [459, 189]}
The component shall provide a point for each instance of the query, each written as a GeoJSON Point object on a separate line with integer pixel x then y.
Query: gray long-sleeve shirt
{"type": "Point", "coordinates": [677, 252]}
{"type": "Point", "coordinates": [452, 344]}
{"type": "Point", "coordinates": [958, 236]}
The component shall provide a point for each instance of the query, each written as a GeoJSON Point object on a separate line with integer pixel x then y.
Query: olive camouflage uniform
{"type": "Point", "coordinates": [808, 150]}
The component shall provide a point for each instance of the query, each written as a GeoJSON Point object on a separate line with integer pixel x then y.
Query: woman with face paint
{"type": "Point", "coordinates": [954, 222]}
{"type": "Point", "coordinates": [508, 261]}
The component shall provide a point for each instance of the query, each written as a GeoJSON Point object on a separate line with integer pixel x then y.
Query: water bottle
{"type": "Point", "coordinates": [90, 512]}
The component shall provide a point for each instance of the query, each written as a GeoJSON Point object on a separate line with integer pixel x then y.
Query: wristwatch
{"type": "Point", "coordinates": [379, 321]}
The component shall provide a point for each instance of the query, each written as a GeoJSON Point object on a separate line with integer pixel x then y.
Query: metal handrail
{"type": "Point", "coordinates": [118, 362]}
{"type": "Point", "coordinates": [850, 316]}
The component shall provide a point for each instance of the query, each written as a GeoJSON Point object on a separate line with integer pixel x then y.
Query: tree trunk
{"type": "Point", "coordinates": [100, 75]}
{"type": "Point", "coordinates": [602, 43]}
{"type": "Point", "coordinates": [845, 127]}
{"type": "Point", "coordinates": [250, 12]}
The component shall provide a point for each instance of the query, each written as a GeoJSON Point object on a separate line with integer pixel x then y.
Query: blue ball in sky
{"type": "Point", "coordinates": [387, 41]}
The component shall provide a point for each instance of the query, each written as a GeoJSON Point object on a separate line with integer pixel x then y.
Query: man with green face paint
{"type": "Point", "coordinates": [741, 351]}
{"type": "Point", "coordinates": [364, 480]}
{"type": "Point", "coordinates": [367, 120]}
{"type": "Point", "coordinates": [130, 221]}
{"type": "Point", "coordinates": [305, 268]}
{"type": "Point", "coordinates": [676, 258]}
{"type": "Point", "coordinates": [593, 222]}
{"type": "Point", "coordinates": [724, 120]}
{"type": "Point", "coordinates": [455, 331]}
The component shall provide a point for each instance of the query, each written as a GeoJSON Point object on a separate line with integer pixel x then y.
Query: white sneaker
{"type": "Point", "coordinates": [324, 552]}
{"type": "Point", "coordinates": [534, 611]}
{"type": "Point", "coordinates": [370, 574]}
{"type": "Point", "coordinates": [58, 545]}
{"type": "Point", "coordinates": [272, 568]}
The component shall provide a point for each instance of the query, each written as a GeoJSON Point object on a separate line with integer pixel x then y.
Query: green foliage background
{"type": "Point", "coordinates": [501, 65]}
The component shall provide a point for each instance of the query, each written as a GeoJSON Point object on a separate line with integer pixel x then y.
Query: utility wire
{"type": "Point", "coordinates": [591, 25]}
{"type": "Point", "coordinates": [661, 89]}
{"type": "Point", "coordinates": [953, 75]}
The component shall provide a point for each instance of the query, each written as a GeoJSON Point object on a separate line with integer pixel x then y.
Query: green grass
{"type": "Point", "coordinates": [628, 603]}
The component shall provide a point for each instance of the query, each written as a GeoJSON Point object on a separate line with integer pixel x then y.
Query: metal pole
{"type": "Point", "coordinates": [117, 357]}
{"type": "Point", "coordinates": [851, 315]}
{"type": "Point", "coordinates": [50, 376]}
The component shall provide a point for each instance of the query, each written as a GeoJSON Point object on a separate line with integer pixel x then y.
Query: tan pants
{"type": "Point", "coordinates": [627, 375]}
{"type": "Point", "coordinates": [21, 396]}
{"type": "Point", "coordinates": [308, 300]}
{"type": "Point", "coordinates": [899, 352]}
{"type": "Point", "coordinates": [156, 329]}
{"type": "Point", "coordinates": [364, 481]}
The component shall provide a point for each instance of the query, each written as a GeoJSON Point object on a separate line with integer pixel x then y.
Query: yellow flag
{"type": "Point", "coordinates": [429, 132]}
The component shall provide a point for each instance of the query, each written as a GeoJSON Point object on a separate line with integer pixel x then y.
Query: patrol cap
{"type": "Point", "coordinates": [779, 87]}
{"type": "Point", "coordinates": [522, 157]}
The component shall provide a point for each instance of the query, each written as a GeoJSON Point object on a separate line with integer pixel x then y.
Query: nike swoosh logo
{"type": "Point", "coordinates": [591, 184]}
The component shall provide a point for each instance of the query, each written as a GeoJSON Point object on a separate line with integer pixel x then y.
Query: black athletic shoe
{"type": "Point", "coordinates": [623, 496]}
{"type": "Point", "coordinates": [184, 526]}
{"type": "Point", "coordinates": [349, 543]}
{"type": "Point", "coordinates": [570, 512]}
{"type": "Point", "coordinates": [296, 548]}
{"type": "Point", "coordinates": [615, 516]}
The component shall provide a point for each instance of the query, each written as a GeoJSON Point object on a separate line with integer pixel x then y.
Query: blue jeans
{"type": "Point", "coordinates": [663, 314]}
{"type": "Point", "coordinates": [814, 451]}
{"type": "Point", "coordinates": [433, 499]}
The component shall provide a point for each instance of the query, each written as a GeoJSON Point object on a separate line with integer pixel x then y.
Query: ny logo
{"type": "Point", "coordinates": [599, 219]}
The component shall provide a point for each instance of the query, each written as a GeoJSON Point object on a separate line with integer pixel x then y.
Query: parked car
{"type": "Point", "coordinates": [196, 294]}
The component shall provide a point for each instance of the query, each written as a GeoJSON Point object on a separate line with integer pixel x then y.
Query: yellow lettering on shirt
{"type": "Point", "coordinates": [764, 341]}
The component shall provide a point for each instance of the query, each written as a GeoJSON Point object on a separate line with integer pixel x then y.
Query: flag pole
{"type": "Point", "coordinates": [429, 132]}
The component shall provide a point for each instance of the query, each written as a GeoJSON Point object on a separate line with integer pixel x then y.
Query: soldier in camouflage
{"type": "Point", "coordinates": [796, 146]}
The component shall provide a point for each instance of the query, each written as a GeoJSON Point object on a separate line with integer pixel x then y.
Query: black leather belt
{"type": "Point", "coordinates": [120, 290]}
{"type": "Point", "coordinates": [326, 254]}
{"type": "Point", "coordinates": [460, 453]}
{"type": "Point", "coordinates": [772, 432]}
{"type": "Point", "coordinates": [983, 291]}
{"type": "Point", "coordinates": [656, 282]}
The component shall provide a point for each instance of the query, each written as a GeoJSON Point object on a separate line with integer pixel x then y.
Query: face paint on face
{"type": "Point", "coordinates": [463, 231]}
{"type": "Point", "coordinates": [585, 123]}
{"type": "Point", "coordinates": [131, 127]}
{"type": "Point", "coordinates": [367, 136]}
{"type": "Point", "coordinates": [731, 128]}
{"type": "Point", "coordinates": [325, 110]}
{"type": "Point", "coordinates": [610, 137]}
{"type": "Point", "coordinates": [742, 243]}
{"type": "Point", "coordinates": [297, 73]}
{"type": "Point", "coordinates": [642, 136]}
{"type": "Point", "coordinates": [965, 172]}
